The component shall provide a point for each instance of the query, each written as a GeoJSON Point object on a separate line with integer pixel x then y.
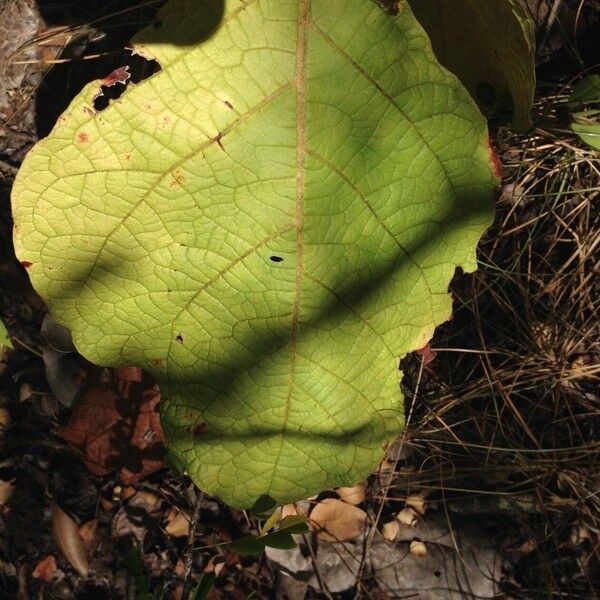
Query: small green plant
{"type": "Point", "coordinates": [4, 337]}
{"type": "Point", "coordinates": [281, 537]}
{"type": "Point", "coordinates": [137, 570]}
{"type": "Point", "coordinates": [268, 225]}
{"type": "Point", "coordinates": [585, 110]}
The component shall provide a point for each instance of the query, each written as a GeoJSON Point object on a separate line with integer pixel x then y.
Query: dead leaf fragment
{"type": "Point", "coordinates": [138, 515]}
{"type": "Point", "coordinates": [296, 508]}
{"type": "Point", "coordinates": [417, 502]}
{"type": "Point", "coordinates": [215, 565]}
{"type": "Point", "coordinates": [178, 525]}
{"type": "Point", "coordinates": [337, 521]}
{"type": "Point", "coordinates": [391, 530]}
{"type": "Point", "coordinates": [6, 490]}
{"type": "Point", "coordinates": [4, 418]}
{"type": "Point", "coordinates": [67, 538]}
{"type": "Point", "coordinates": [87, 531]}
{"type": "Point", "coordinates": [407, 516]}
{"type": "Point", "coordinates": [353, 495]}
{"type": "Point", "coordinates": [116, 426]}
{"type": "Point", "coordinates": [25, 392]}
{"type": "Point", "coordinates": [417, 548]}
{"type": "Point", "coordinates": [45, 569]}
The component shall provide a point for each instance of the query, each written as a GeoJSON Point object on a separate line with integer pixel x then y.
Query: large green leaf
{"type": "Point", "coordinates": [268, 225]}
{"type": "Point", "coordinates": [489, 45]}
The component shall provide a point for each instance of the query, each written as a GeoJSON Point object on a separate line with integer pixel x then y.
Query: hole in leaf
{"type": "Point", "coordinates": [276, 258]}
{"type": "Point", "coordinates": [136, 69]}
{"type": "Point", "coordinates": [179, 338]}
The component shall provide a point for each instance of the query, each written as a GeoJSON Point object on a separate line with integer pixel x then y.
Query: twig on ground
{"type": "Point", "coordinates": [189, 551]}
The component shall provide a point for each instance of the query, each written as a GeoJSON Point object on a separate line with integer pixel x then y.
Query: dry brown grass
{"type": "Point", "coordinates": [506, 420]}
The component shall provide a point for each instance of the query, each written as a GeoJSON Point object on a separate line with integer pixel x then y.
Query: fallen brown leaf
{"type": "Point", "coordinates": [45, 569]}
{"type": "Point", "coordinates": [116, 426]}
{"type": "Point", "coordinates": [391, 530]}
{"type": "Point", "coordinates": [417, 548]}
{"type": "Point", "coordinates": [67, 538]}
{"type": "Point", "coordinates": [87, 531]}
{"type": "Point", "coordinates": [417, 503]}
{"type": "Point", "coordinates": [352, 495]}
{"type": "Point", "coordinates": [337, 521]}
{"type": "Point", "coordinates": [4, 418]}
{"type": "Point", "coordinates": [6, 490]}
{"type": "Point", "coordinates": [178, 525]}
{"type": "Point", "coordinates": [139, 514]}
{"type": "Point", "coordinates": [407, 516]}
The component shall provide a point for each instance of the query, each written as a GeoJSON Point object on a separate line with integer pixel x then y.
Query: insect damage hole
{"type": "Point", "coordinates": [136, 69]}
{"type": "Point", "coordinates": [276, 258]}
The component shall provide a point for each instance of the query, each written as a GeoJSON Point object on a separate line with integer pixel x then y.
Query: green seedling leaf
{"type": "Point", "coordinates": [490, 46]}
{"type": "Point", "coordinates": [271, 522]}
{"type": "Point", "coordinates": [586, 90]}
{"type": "Point", "coordinates": [293, 524]}
{"type": "Point", "coordinates": [586, 123]}
{"type": "Point", "coordinates": [4, 339]}
{"type": "Point", "coordinates": [268, 225]}
{"type": "Point", "coordinates": [279, 539]}
{"type": "Point", "coordinates": [249, 545]}
{"type": "Point", "coordinates": [205, 585]}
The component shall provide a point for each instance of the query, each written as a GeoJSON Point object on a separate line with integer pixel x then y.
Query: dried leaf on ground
{"type": "Point", "coordinates": [352, 495]}
{"type": "Point", "coordinates": [6, 490]}
{"type": "Point", "coordinates": [418, 548]}
{"type": "Point", "coordinates": [178, 524]}
{"type": "Point", "coordinates": [338, 521]}
{"type": "Point", "coordinates": [137, 516]}
{"type": "Point", "coordinates": [391, 530]}
{"type": "Point", "coordinates": [45, 569]}
{"type": "Point", "coordinates": [116, 426]}
{"type": "Point", "coordinates": [4, 418]}
{"type": "Point", "coordinates": [417, 503]}
{"type": "Point", "coordinates": [407, 516]}
{"type": "Point", "coordinates": [68, 540]}
{"type": "Point", "coordinates": [87, 531]}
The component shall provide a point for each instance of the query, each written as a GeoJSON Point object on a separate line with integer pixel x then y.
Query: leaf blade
{"type": "Point", "coordinates": [291, 365]}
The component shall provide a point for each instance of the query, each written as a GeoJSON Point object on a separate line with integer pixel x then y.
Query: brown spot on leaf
{"type": "Point", "coordinates": [228, 104]}
{"type": "Point", "coordinates": [178, 179]}
{"type": "Point", "coordinates": [83, 137]}
{"type": "Point", "coordinates": [158, 362]}
{"type": "Point", "coordinates": [26, 264]}
{"type": "Point", "coordinates": [495, 160]}
{"type": "Point", "coordinates": [198, 429]}
{"type": "Point", "coordinates": [179, 338]}
{"type": "Point", "coordinates": [427, 354]}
